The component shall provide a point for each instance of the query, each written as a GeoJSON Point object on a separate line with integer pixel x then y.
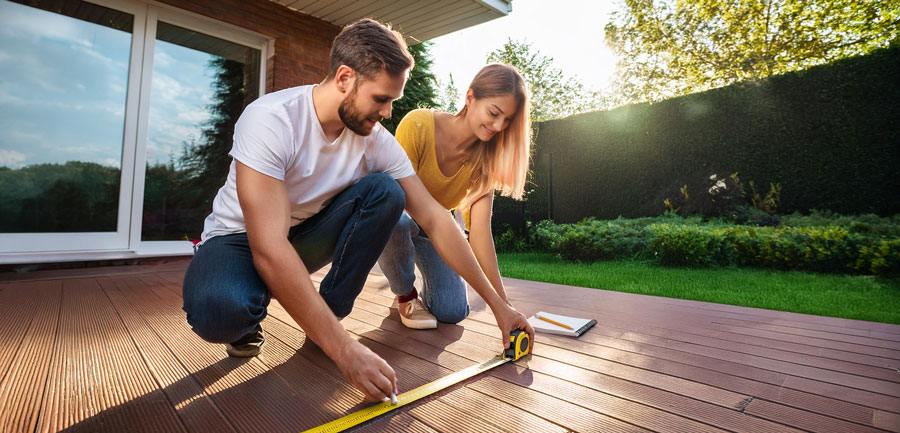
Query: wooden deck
{"type": "Point", "coordinates": [108, 349]}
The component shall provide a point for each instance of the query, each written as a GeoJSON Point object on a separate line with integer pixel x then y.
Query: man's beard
{"type": "Point", "coordinates": [351, 116]}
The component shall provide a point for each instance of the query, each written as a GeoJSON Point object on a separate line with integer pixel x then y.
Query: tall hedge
{"type": "Point", "coordinates": [830, 135]}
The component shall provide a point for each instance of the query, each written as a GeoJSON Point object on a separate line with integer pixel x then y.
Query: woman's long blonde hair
{"type": "Point", "coordinates": [502, 163]}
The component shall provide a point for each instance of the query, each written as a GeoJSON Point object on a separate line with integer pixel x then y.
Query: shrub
{"type": "Point", "coordinates": [860, 244]}
{"type": "Point", "coordinates": [547, 235]}
{"type": "Point", "coordinates": [886, 258]}
{"type": "Point", "coordinates": [692, 246]}
{"type": "Point", "coordinates": [591, 240]}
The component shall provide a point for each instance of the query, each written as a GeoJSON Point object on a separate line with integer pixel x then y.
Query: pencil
{"type": "Point", "coordinates": [556, 323]}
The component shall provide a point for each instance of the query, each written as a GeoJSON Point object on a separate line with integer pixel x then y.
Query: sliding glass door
{"type": "Point", "coordinates": [115, 122]}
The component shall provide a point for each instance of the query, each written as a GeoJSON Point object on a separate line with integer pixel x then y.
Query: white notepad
{"type": "Point", "coordinates": [579, 326]}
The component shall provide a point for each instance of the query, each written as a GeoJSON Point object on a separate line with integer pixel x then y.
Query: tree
{"type": "Point", "coordinates": [178, 196]}
{"type": "Point", "coordinates": [668, 48]}
{"type": "Point", "coordinates": [449, 96]}
{"type": "Point", "coordinates": [553, 95]}
{"type": "Point", "coordinates": [420, 90]}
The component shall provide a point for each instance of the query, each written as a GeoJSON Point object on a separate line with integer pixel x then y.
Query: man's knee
{"type": "Point", "coordinates": [387, 190]}
{"type": "Point", "coordinates": [221, 319]}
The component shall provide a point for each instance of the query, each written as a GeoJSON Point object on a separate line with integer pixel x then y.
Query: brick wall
{"type": "Point", "coordinates": [302, 42]}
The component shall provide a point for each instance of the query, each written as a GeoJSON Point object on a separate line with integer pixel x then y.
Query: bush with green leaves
{"type": "Point", "coordinates": [675, 241]}
{"type": "Point", "coordinates": [884, 258]}
{"type": "Point", "coordinates": [689, 245]}
{"type": "Point", "coordinates": [593, 240]}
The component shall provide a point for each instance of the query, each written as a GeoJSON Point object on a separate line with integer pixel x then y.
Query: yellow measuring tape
{"type": "Point", "coordinates": [519, 343]}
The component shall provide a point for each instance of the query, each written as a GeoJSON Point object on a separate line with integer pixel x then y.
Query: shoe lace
{"type": "Point", "coordinates": [414, 307]}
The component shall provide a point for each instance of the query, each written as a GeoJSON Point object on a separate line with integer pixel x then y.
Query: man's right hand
{"type": "Point", "coordinates": [367, 371]}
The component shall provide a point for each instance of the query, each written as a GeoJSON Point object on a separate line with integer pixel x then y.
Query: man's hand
{"type": "Point", "coordinates": [367, 371]}
{"type": "Point", "coordinates": [266, 211]}
{"type": "Point", "coordinates": [508, 320]}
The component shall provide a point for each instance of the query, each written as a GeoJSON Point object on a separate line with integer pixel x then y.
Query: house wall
{"type": "Point", "coordinates": [302, 42]}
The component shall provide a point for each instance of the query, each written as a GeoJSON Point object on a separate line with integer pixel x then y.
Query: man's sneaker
{"type": "Point", "coordinates": [249, 345]}
{"type": "Point", "coordinates": [414, 315]}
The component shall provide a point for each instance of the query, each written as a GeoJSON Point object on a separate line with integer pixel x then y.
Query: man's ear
{"type": "Point", "coordinates": [344, 78]}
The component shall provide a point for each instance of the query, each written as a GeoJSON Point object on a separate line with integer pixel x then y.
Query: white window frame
{"type": "Point", "coordinates": [158, 12]}
{"type": "Point", "coordinates": [126, 241]}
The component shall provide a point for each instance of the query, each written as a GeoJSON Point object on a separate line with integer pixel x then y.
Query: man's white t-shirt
{"type": "Point", "coordinates": [280, 136]}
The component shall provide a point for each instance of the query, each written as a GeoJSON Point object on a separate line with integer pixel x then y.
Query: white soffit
{"type": "Point", "coordinates": [417, 20]}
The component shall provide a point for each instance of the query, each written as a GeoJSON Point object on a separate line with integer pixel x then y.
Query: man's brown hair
{"type": "Point", "coordinates": [369, 47]}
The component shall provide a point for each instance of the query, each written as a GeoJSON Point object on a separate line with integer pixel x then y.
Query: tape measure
{"type": "Point", "coordinates": [518, 347]}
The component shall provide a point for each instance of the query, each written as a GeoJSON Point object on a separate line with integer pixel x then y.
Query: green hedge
{"type": "Point", "coordinates": [828, 134]}
{"type": "Point", "coordinates": [674, 241]}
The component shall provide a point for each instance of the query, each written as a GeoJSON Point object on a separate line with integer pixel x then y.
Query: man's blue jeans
{"type": "Point", "coordinates": [443, 291]}
{"type": "Point", "coordinates": [224, 296]}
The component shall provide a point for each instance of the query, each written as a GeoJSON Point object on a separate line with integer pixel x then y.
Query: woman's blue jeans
{"type": "Point", "coordinates": [443, 291]}
{"type": "Point", "coordinates": [224, 296]}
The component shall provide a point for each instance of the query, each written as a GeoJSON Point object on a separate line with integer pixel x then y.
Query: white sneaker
{"type": "Point", "coordinates": [414, 315]}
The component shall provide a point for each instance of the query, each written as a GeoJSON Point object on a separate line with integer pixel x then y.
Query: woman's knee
{"type": "Point", "coordinates": [406, 226]}
{"type": "Point", "coordinates": [450, 314]}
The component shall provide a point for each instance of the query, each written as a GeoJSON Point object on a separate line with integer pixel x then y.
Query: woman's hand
{"type": "Point", "coordinates": [508, 320]}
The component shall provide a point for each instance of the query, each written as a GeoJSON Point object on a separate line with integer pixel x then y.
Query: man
{"type": "Point", "coordinates": [316, 179]}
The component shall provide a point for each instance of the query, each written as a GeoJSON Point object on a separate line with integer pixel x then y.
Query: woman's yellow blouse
{"type": "Point", "coordinates": [416, 135]}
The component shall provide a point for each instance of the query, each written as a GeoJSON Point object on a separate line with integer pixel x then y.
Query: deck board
{"type": "Point", "coordinates": [108, 349]}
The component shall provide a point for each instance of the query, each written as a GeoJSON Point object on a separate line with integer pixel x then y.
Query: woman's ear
{"type": "Point", "coordinates": [470, 97]}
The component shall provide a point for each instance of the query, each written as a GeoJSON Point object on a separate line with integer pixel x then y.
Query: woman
{"type": "Point", "coordinates": [461, 159]}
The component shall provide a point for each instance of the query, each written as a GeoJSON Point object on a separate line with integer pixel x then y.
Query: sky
{"type": "Point", "coordinates": [569, 31]}
{"type": "Point", "coordinates": [62, 91]}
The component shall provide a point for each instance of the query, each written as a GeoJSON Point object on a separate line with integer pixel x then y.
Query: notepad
{"type": "Point", "coordinates": [579, 326]}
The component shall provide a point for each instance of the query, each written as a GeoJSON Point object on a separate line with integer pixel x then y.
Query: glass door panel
{"type": "Point", "coordinates": [64, 74]}
{"type": "Point", "coordinates": [200, 86]}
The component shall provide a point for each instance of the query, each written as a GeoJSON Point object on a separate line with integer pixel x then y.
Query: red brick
{"type": "Point", "coordinates": [302, 42]}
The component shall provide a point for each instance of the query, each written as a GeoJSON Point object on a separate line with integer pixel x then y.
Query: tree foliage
{"type": "Point", "coordinates": [449, 96]}
{"type": "Point", "coordinates": [421, 87]}
{"type": "Point", "coordinates": [553, 95]}
{"type": "Point", "coordinates": [669, 48]}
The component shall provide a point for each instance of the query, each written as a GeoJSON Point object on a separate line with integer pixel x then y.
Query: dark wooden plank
{"type": "Point", "coordinates": [173, 264]}
{"type": "Point", "coordinates": [568, 415]}
{"type": "Point", "coordinates": [631, 321]}
{"type": "Point", "coordinates": [658, 418]}
{"type": "Point", "coordinates": [257, 394]}
{"type": "Point", "coordinates": [565, 381]}
{"type": "Point", "coordinates": [803, 419]}
{"type": "Point", "coordinates": [636, 313]}
{"type": "Point", "coordinates": [809, 394]}
{"type": "Point", "coordinates": [98, 380]}
{"type": "Point", "coordinates": [193, 405]}
{"type": "Point", "coordinates": [699, 308]}
{"type": "Point", "coordinates": [825, 335]}
{"type": "Point", "coordinates": [742, 370]}
{"type": "Point", "coordinates": [856, 413]}
{"type": "Point", "coordinates": [886, 420]}
{"type": "Point", "coordinates": [722, 348]}
{"type": "Point", "coordinates": [498, 412]}
{"type": "Point", "coordinates": [395, 423]}
{"type": "Point", "coordinates": [748, 366]}
{"type": "Point", "coordinates": [27, 359]}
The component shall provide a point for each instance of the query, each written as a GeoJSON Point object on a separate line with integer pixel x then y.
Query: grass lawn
{"type": "Point", "coordinates": [862, 297]}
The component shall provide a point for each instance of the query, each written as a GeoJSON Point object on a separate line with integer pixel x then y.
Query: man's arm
{"type": "Point", "coordinates": [482, 242]}
{"type": "Point", "coordinates": [266, 211]}
{"type": "Point", "coordinates": [451, 245]}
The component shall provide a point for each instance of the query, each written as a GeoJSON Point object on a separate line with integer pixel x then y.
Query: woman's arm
{"type": "Point", "coordinates": [482, 242]}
